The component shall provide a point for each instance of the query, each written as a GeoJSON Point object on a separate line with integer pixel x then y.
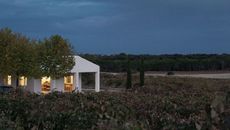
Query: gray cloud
{"type": "Point", "coordinates": [133, 26]}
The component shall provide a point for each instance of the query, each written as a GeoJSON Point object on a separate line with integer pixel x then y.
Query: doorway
{"type": "Point", "coordinates": [46, 85]}
{"type": "Point", "coordinates": [68, 83]}
{"type": "Point", "coordinates": [7, 80]}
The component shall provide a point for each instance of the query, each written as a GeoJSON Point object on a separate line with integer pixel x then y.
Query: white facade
{"type": "Point", "coordinates": [70, 83]}
{"type": "Point", "coordinates": [84, 66]}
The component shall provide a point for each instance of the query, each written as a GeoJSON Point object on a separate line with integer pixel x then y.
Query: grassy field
{"type": "Point", "coordinates": [163, 103]}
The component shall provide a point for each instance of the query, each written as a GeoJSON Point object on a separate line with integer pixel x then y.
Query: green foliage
{"type": "Point", "coordinates": [62, 111]}
{"type": "Point", "coordinates": [174, 62]}
{"type": "Point", "coordinates": [20, 56]}
{"type": "Point", "coordinates": [164, 103]}
{"type": "Point", "coordinates": [170, 73]}
{"type": "Point", "coordinates": [23, 58]}
{"type": "Point", "coordinates": [7, 38]}
{"type": "Point", "coordinates": [16, 54]}
{"type": "Point", "coordinates": [55, 56]}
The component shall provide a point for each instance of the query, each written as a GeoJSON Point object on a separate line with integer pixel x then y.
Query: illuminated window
{"type": "Point", "coordinates": [22, 81]}
{"type": "Point", "coordinates": [68, 79]}
{"type": "Point", "coordinates": [8, 80]}
{"type": "Point", "coordinates": [68, 83]}
{"type": "Point", "coordinates": [46, 84]}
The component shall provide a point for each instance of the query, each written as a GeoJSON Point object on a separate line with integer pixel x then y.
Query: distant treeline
{"type": "Point", "coordinates": [175, 62]}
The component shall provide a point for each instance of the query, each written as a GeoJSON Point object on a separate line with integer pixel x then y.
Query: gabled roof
{"type": "Point", "coordinates": [82, 65]}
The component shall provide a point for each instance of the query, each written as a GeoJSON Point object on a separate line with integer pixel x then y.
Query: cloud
{"type": "Point", "coordinates": [66, 3]}
{"type": "Point", "coordinates": [149, 25]}
{"type": "Point", "coordinates": [91, 23]}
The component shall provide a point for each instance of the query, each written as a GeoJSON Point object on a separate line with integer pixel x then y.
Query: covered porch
{"type": "Point", "coordinates": [72, 82]}
{"type": "Point", "coordinates": [69, 83]}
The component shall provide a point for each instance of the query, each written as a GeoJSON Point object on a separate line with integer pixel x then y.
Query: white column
{"type": "Point", "coordinates": [75, 82]}
{"type": "Point", "coordinates": [60, 85]}
{"type": "Point", "coordinates": [13, 81]}
{"type": "Point", "coordinates": [53, 85]}
{"type": "Point", "coordinates": [76, 75]}
{"type": "Point", "coordinates": [97, 81]}
{"type": "Point", "coordinates": [30, 85]}
{"type": "Point", "coordinates": [78, 82]}
{"type": "Point", "coordinates": [37, 86]}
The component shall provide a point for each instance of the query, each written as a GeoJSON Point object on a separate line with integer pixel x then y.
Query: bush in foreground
{"type": "Point", "coordinates": [170, 104]}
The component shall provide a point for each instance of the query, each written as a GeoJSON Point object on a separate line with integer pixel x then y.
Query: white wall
{"type": "Point", "coordinates": [37, 86]}
{"type": "Point", "coordinates": [82, 66]}
{"type": "Point", "coordinates": [30, 85]}
{"type": "Point", "coordinates": [60, 85]}
{"type": "Point", "coordinates": [97, 81]}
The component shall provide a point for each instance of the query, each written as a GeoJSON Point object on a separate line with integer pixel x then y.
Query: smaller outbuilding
{"type": "Point", "coordinates": [69, 83]}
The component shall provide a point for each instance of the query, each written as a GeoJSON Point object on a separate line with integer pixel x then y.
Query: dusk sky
{"type": "Point", "coordinates": [130, 26]}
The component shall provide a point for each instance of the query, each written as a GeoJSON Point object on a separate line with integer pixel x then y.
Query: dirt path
{"type": "Point", "coordinates": [210, 76]}
{"type": "Point", "coordinates": [195, 74]}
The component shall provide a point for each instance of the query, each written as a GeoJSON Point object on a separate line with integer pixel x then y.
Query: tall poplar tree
{"type": "Point", "coordinates": [129, 75]}
{"type": "Point", "coordinates": [142, 72]}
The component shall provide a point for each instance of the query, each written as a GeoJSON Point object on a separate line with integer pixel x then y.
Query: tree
{"type": "Point", "coordinates": [23, 57]}
{"type": "Point", "coordinates": [56, 57]}
{"type": "Point", "coordinates": [7, 37]}
{"type": "Point", "coordinates": [16, 54]}
{"type": "Point", "coordinates": [20, 56]}
{"type": "Point", "coordinates": [129, 75]}
{"type": "Point", "coordinates": [142, 73]}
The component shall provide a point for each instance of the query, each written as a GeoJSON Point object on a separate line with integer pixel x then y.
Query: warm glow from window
{"type": "Point", "coordinates": [68, 79]}
{"type": "Point", "coordinates": [46, 84]}
{"type": "Point", "coordinates": [68, 83]}
{"type": "Point", "coordinates": [22, 81]}
{"type": "Point", "coordinates": [46, 79]}
{"type": "Point", "coordinates": [8, 80]}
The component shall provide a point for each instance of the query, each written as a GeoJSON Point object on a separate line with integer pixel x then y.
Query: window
{"type": "Point", "coordinates": [68, 83]}
{"type": "Point", "coordinates": [8, 80]}
{"type": "Point", "coordinates": [68, 79]}
{"type": "Point", "coordinates": [46, 84]}
{"type": "Point", "coordinates": [22, 81]}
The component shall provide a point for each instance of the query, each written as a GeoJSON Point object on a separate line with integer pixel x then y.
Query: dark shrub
{"type": "Point", "coordinates": [170, 73]}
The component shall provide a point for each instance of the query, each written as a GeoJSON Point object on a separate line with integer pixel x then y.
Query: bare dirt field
{"type": "Point", "coordinates": [195, 74]}
{"type": "Point", "coordinates": [116, 82]}
{"type": "Point", "coordinates": [211, 76]}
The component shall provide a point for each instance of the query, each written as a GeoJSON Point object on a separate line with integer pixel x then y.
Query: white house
{"type": "Point", "coordinates": [70, 83]}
